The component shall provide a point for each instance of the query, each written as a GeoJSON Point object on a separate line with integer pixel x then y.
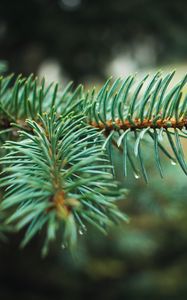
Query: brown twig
{"type": "Point", "coordinates": [138, 124]}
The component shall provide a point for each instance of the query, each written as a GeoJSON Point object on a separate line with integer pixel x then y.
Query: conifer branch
{"type": "Point", "coordinates": [59, 178]}
{"type": "Point", "coordinates": [22, 98]}
{"type": "Point", "coordinates": [56, 175]}
{"type": "Point", "coordinates": [128, 113]}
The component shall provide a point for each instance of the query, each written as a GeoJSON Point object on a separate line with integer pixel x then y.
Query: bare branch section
{"type": "Point", "coordinates": [137, 124]}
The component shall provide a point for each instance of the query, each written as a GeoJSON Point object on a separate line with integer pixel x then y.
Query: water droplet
{"type": "Point", "coordinates": [63, 246]}
{"type": "Point", "coordinates": [173, 163]}
{"type": "Point", "coordinates": [136, 176]}
{"type": "Point", "coordinates": [81, 232]}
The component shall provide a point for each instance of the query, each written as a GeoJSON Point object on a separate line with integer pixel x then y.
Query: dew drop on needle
{"type": "Point", "coordinates": [173, 163]}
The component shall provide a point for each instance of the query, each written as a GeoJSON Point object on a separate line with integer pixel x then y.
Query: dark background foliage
{"type": "Point", "coordinates": [85, 35]}
{"type": "Point", "coordinates": [146, 259]}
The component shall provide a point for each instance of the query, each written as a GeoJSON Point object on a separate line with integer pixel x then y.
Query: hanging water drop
{"type": "Point", "coordinates": [137, 176]}
{"type": "Point", "coordinates": [63, 246]}
{"type": "Point", "coordinates": [81, 232]}
{"type": "Point", "coordinates": [173, 163]}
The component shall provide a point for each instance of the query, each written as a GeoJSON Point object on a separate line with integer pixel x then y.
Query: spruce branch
{"type": "Point", "coordinates": [22, 98]}
{"type": "Point", "coordinates": [56, 174]}
{"type": "Point", "coordinates": [128, 113]}
{"type": "Point", "coordinates": [58, 177]}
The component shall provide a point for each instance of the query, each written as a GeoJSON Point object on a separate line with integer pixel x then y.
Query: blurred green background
{"type": "Point", "coordinates": [87, 41]}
